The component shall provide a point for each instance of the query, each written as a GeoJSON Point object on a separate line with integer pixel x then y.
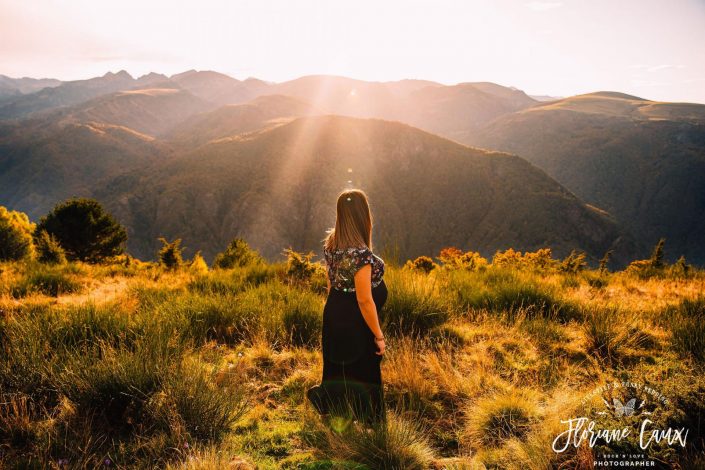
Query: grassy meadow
{"type": "Point", "coordinates": [133, 365]}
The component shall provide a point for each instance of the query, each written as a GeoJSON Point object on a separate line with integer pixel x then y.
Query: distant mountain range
{"type": "Point", "coordinates": [205, 157]}
{"type": "Point", "coordinates": [642, 161]}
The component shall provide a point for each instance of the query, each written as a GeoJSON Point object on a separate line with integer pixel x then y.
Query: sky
{"type": "Point", "coordinates": [650, 48]}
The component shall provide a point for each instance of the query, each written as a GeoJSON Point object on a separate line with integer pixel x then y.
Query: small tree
{"type": "Point", "coordinates": [15, 235]}
{"type": "Point", "coordinates": [170, 253]}
{"type": "Point", "coordinates": [238, 253]}
{"type": "Point", "coordinates": [422, 263]}
{"type": "Point", "coordinates": [574, 262]}
{"type": "Point", "coordinates": [657, 255]}
{"type": "Point", "coordinates": [84, 230]}
{"type": "Point", "coordinates": [454, 258]}
{"type": "Point", "coordinates": [450, 256]}
{"type": "Point", "coordinates": [198, 264]}
{"type": "Point", "coordinates": [604, 261]}
{"type": "Point", "coordinates": [49, 250]}
{"type": "Point", "coordinates": [680, 268]}
{"type": "Point", "coordinates": [300, 267]}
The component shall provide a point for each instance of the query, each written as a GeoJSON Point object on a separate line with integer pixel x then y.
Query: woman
{"type": "Point", "coordinates": [353, 343]}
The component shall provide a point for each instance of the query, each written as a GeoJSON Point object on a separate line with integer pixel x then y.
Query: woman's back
{"type": "Point", "coordinates": [342, 264]}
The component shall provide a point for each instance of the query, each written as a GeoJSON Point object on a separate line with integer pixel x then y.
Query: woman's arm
{"type": "Point", "coordinates": [328, 281]}
{"type": "Point", "coordinates": [363, 293]}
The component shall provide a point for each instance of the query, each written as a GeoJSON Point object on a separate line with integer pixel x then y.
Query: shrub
{"type": "Point", "coordinates": [453, 258]}
{"type": "Point", "coordinates": [652, 267]}
{"type": "Point", "coordinates": [495, 419]}
{"type": "Point", "coordinates": [84, 230]}
{"type": "Point", "coordinates": [604, 261]}
{"type": "Point", "coordinates": [539, 260]}
{"type": "Point", "coordinates": [422, 263]}
{"type": "Point", "coordinates": [198, 264]}
{"type": "Point", "coordinates": [680, 269]}
{"type": "Point", "coordinates": [300, 267]}
{"type": "Point", "coordinates": [573, 263]}
{"type": "Point", "coordinates": [606, 332]}
{"type": "Point", "coordinates": [657, 255]}
{"type": "Point", "coordinates": [48, 249]}
{"type": "Point", "coordinates": [47, 281]}
{"type": "Point", "coordinates": [395, 444]}
{"type": "Point", "coordinates": [238, 253]}
{"type": "Point", "coordinates": [448, 256]}
{"type": "Point", "coordinates": [413, 307]}
{"type": "Point", "coordinates": [170, 253]}
{"type": "Point", "coordinates": [208, 411]}
{"type": "Point", "coordinates": [15, 235]}
{"type": "Point", "coordinates": [687, 322]}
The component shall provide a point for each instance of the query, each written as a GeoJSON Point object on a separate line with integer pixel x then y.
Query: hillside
{"type": "Point", "coordinates": [640, 160]}
{"type": "Point", "coordinates": [277, 188]}
{"type": "Point", "coordinates": [42, 164]}
{"type": "Point", "coordinates": [14, 87]}
{"type": "Point", "coordinates": [72, 93]}
{"type": "Point", "coordinates": [147, 110]}
{"type": "Point", "coordinates": [230, 120]}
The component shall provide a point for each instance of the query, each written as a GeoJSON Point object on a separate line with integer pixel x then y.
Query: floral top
{"type": "Point", "coordinates": [342, 265]}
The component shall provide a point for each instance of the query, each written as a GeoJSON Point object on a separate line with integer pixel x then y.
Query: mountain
{"type": "Point", "coordinates": [14, 87]}
{"type": "Point", "coordinates": [219, 88]}
{"type": "Point", "coordinates": [149, 111]}
{"type": "Point", "coordinates": [71, 93]}
{"type": "Point", "coordinates": [277, 187]}
{"type": "Point", "coordinates": [642, 161]}
{"type": "Point", "coordinates": [456, 111]}
{"type": "Point", "coordinates": [546, 97]}
{"type": "Point", "coordinates": [39, 169]}
{"type": "Point", "coordinates": [231, 120]}
{"type": "Point", "coordinates": [451, 111]}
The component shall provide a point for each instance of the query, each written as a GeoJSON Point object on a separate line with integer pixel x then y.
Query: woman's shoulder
{"type": "Point", "coordinates": [349, 249]}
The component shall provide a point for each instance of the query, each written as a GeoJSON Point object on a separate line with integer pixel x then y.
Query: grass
{"type": "Point", "coordinates": [687, 322]}
{"type": "Point", "coordinates": [209, 369]}
{"type": "Point", "coordinates": [507, 292]}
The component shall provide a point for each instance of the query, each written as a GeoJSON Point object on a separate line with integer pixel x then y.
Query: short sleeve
{"type": "Point", "coordinates": [361, 257]}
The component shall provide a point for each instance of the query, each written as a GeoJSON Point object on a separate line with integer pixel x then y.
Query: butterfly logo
{"type": "Point", "coordinates": [626, 409]}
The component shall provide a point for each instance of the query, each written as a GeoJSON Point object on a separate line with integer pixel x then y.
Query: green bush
{"type": "Point", "coordinates": [300, 267]}
{"type": "Point", "coordinates": [237, 254]}
{"type": "Point", "coordinates": [84, 230]}
{"type": "Point", "coordinates": [15, 235]}
{"type": "Point", "coordinates": [48, 249]}
{"type": "Point", "coordinates": [170, 254]}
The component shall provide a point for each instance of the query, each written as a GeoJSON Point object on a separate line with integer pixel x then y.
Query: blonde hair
{"type": "Point", "coordinates": [353, 222]}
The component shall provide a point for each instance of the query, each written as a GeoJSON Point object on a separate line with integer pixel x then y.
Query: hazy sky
{"type": "Point", "coordinates": [650, 48]}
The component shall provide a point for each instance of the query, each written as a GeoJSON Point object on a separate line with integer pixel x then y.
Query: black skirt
{"type": "Point", "coordinates": [352, 377]}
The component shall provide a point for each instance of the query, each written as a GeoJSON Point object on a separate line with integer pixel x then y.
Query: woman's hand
{"type": "Point", "coordinates": [380, 344]}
